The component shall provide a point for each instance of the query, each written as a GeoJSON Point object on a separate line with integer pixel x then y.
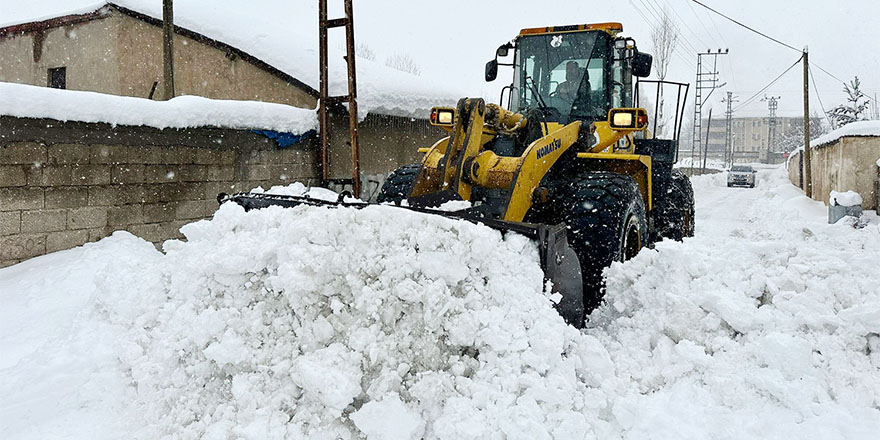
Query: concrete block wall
{"type": "Point", "coordinates": [848, 164]}
{"type": "Point", "coordinates": [66, 184]}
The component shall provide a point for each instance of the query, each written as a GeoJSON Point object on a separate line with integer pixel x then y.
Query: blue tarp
{"type": "Point", "coordinates": [284, 140]}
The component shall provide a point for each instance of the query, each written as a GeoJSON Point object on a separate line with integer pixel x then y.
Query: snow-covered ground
{"type": "Point", "coordinates": [321, 323]}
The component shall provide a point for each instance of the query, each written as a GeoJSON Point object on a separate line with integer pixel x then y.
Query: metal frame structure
{"type": "Point", "coordinates": [326, 101]}
{"type": "Point", "coordinates": [728, 140]}
{"type": "Point", "coordinates": [772, 105]}
{"type": "Point", "coordinates": [705, 81]}
{"type": "Point", "coordinates": [680, 102]}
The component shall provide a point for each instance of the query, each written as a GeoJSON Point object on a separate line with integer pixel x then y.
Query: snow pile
{"type": "Point", "coordinates": [859, 128]}
{"type": "Point", "coordinates": [322, 323]}
{"type": "Point", "coordinates": [768, 326]}
{"type": "Point", "coordinates": [712, 164]}
{"type": "Point", "coordinates": [180, 112]}
{"type": "Point", "coordinates": [387, 324]}
{"type": "Point", "coordinates": [847, 198]}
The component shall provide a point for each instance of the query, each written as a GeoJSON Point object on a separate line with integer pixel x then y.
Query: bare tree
{"type": "Point", "coordinates": [664, 38]}
{"type": "Point", "coordinates": [404, 63]}
{"type": "Point", "coordinates": [365, 51]}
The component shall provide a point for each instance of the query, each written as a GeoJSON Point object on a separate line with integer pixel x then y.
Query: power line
{"type": "Point", "coordinates": [677, 50]}
{"type": "Point", "coordinates": [659, 22]}
{"type": "Point", "coordinates": [700, 20]}
{"type": "Point", "coordinates": [819, 98]}
{"type": "Point", "coordinates": [662, 10]}
{"type": "Point", "coordinates": [683, 21]}
{"type": "Point", "coordinates": [841, 81]}
{"type": "Point", "coordinates": [749, 28]}
{"type": "Point", "coordinates": [752, 98]}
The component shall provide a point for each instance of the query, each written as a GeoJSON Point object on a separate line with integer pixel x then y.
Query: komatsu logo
{"type": "Point", "coordinates": [549, 148]}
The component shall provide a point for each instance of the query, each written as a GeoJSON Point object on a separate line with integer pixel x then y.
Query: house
{"type": "Point", "coordinates": [253, 54]}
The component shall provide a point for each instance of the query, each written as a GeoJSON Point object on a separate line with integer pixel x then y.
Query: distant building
{"type": "Point", "coordinates": [750, 138]}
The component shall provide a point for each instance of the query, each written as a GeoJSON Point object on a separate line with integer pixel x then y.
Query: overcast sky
{"type": "Point", "coordinates": [452, 39]}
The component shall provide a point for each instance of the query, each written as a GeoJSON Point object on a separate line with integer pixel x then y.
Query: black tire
{"type": "Point", "coordinates": [680, 212]}
{"type": "Point", "coordinates": [399, 184]}
{"type": "Point", "coordinates": [605, 216]}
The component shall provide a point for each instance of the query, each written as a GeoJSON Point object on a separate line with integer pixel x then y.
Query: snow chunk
{"type": "Point", "coordinates": [388, 419]}
{"type": "Point", "coordinates": [331, 375]}
{"type": "Point", "coordinates": [848, 198]}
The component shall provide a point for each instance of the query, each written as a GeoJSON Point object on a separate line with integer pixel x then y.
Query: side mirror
{"type": "Point", "coordinates": [641, 64]}
{"type": "Point", "coordinates": [491, 70]}
{"type": "Point", "coordinates": [503, 50]}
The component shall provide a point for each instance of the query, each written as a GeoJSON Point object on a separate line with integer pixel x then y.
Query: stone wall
{"type": "Point", "coordinates": [63, 184]}
{"type": "Point", "coordinates": [848, 164]}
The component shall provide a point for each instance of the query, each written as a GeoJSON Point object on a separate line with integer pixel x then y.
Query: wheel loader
{"type": "Point", "coordinates": [568, 161]}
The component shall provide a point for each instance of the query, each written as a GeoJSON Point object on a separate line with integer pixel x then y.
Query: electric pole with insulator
{"type": "Point", "coordinates": [728, 140]}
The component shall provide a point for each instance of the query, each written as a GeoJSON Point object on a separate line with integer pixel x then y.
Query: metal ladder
{"type": "Point", "coordinates": [326, 101]}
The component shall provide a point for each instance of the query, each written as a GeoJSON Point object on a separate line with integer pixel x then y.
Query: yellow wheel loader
{"type": "Point", "coordinates": [570, 162]}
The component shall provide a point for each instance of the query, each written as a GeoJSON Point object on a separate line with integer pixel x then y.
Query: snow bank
{"type": "Point", "coordinates": [764, 325]}
{"type": "Point", "coordinates": [685, 162]}
{"type": "Point", "coordinates": [847, 198]}
{"type": "Point", "coordinates": [382, 323]}
{"type": "Point", "coordinates": [181, 112]}
{"type": "Point", "coordinates": [860, 128]}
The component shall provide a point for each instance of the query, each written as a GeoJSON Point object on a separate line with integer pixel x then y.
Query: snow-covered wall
{"type": "Point", "coordinates": [843, 160]}
{"type": "Point", "coordinates": [63, 184]}
{"type": "Point", "coordinates": [181, 112]}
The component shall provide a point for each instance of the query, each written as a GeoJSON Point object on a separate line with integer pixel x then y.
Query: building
{"type": "Point", "coordinates": [750, 138]}
{"type": "Point", "coordinates": [116, 48]}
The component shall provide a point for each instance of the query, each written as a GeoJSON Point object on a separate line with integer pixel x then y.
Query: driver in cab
{"type": "Point", "coordinates": [568, 89]}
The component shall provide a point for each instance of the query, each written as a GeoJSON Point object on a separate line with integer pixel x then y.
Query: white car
{"type": "Point", "coordinates": [741, 175]}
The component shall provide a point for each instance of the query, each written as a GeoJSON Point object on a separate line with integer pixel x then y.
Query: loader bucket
{"type": "Point", "coordinates": [558, 260]}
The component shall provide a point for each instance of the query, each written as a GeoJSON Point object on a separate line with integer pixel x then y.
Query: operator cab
{"type": "Point", "coordinates": [569, 73]}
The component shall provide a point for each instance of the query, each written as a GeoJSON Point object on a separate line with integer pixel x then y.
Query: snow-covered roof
{"type": "Point", "coordinates": [181, 112]}
{"type": "Point", "coordinates": [854, 129]}
{"type": "Point", "coordinates": [284, 35]}
{"type": "Point", "coordinates": [860, 128]}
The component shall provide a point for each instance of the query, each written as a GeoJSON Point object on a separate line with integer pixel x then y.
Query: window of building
{"type": "Point", "coordinates": [57, 78]}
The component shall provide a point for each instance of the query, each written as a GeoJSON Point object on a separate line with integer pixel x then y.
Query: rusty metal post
{"type": "Point", "coordinates": [323, 116]}
{"type": "Point", "coordinates": [352, 99]}
{"type": "Point", "coordinates": [325, 100]}
{"type": "Point", "coordinates": [168, 48]}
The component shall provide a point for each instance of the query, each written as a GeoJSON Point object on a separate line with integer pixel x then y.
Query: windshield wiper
{"type": "Point", "coordinates": [534, 89]}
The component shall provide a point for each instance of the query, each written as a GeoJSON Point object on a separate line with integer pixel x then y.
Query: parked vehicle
{"type": "Point", "coordinates": [741, 175]}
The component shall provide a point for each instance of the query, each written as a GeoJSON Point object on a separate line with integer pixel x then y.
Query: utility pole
{"type": "Point", "coordinates": [728, 141]}
{"type": "Point", "coordinates": [808, 167]}
{"type": "Point", "coordinates": [706, 149]}
{"type": "Point", "coordinates": [168, 48]}
{"type": "Point", "coordinates": [705, 81]}
{"type": "Point", "coordinates": [772, 104]}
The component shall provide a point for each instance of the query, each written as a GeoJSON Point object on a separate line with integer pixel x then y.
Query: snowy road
{"type": "Point", "coordinates": [766, 324]}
